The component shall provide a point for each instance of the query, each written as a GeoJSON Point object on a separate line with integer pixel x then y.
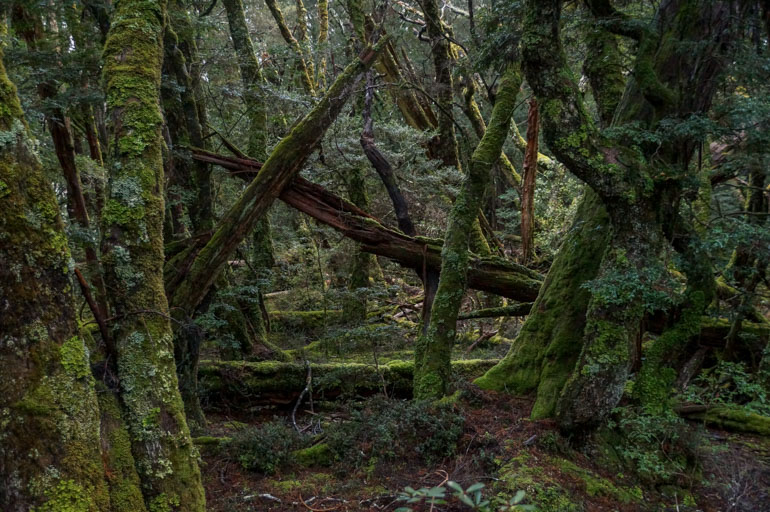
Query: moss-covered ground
{"type": "Point", "coordinates": [358, 450]}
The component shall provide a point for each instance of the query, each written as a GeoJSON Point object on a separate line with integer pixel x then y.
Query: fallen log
{"type": "Point", "coordinates": [733, 419]}
{"type": "Point", "coordinates": [492, 274]}
{"type": "Point", "coordinates": [521, 309]}
{"type": "Point", "coordinates": [241, 385]}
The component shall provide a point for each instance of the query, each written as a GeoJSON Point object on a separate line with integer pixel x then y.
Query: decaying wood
{"type": "Point", "coordinates": [521, 309]}
{"type": "Point", "coordinates": [240, 385]}
{"type": "Point", "coordinates": [493, 275]}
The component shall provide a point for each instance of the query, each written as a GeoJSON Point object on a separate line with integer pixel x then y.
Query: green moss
{"type": "Point", "coordinates": [524, 472]}
{"type": "Point", "coordinates": [595, 485]}
{"type": "Point", "coordinates": [65, 496]}
{"type": "Point", "coordinates": [317, 455]}
{"type": "Point", "coordinates": [545, 351]}
{"type": "Point", "coordinates": [74, 358]}
{"type": "Point", "coordinates": [317, 482]}
{"type": "Point", "coordinates": [122, 481]}
{"type": "Point", "coordinates": [736, 419]}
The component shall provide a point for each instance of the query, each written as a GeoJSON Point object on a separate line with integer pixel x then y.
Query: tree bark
{"type": "Point", "coordinates": [433, 350]}
{"type": "Point", "coordinates": [133, 259]}
{"type": "Point", "coordinates": [49, 448]}
{"type": "Point", "coordinates": [528, 186]}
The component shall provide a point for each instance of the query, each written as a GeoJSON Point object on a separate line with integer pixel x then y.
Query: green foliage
{"type": "Point", "coordinates": [731, 383]}
{"type": "Point", "coordinates": [264, 448]}
{"type": "Point", "coordinates": [651, 286]}
{"type": "Point", "coordinates": [659, 448]}
{"type": "Point", "coordinates": [382, 429]}
{"type": "Point", "coordinates": [470, 499]}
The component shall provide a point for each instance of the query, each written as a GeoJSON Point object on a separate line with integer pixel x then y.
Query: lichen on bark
{"type": "Point", "coordinates": [49, 424]}
{"type": "Point", "coordinates": [165, 457]}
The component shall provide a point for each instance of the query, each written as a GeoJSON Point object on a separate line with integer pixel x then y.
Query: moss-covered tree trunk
{"type": "Point", "coordinates": [354, 306]}
{"type": "Point", "coordinates": [133, 258]}
{"type": "Point", "coordinates": [49, 417]}
{"type": "Point", "coordinates": [550, 340]}
{"type": "Point", "coordinates": [433, 352]}
{"type": "Point", "coordinates": [645, 184]}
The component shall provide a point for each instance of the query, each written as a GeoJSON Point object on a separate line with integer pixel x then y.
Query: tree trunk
{"type": "Point", "coordinates": [528, 186]}
{"type": "Point", "coordinates": [433, 350]}
{"type": "Point", "coordinates": [549, 343]}
{"type": "Point", "coordinates": [355, 304]}
{"type": "Point", "coordinates": [133, 261]}
{"type": "Point", "coordinates": [445, 148]}
{"type": "Point", "coordinates": [49, 448]}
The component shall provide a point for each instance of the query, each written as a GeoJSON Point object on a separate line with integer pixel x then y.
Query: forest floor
{"type": "Point", "coordinates": [365, 453]}
{"type": "Point", "coordinates": [499, 447]}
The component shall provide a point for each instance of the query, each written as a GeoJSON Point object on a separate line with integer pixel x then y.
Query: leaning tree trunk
{"type": "Point", "coordinates": [133, 260]}
{"type": "Point", "coordinates": [433, 351]}
{"type": "Point", "coordinates": [190, 281]}
{"type": "Point", "coordinates": [49, 446]}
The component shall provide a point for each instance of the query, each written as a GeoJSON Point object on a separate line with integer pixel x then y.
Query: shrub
{"type": "Point", "coordinates": [385, 429]}
{"type": "Point", "coordinates": [266, 447]}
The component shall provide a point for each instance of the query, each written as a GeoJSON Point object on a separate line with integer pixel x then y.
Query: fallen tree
{"type": "Point", "coordinates": [490, 274]}
{"type": "Point", "coordinates": [241, 385]}
{"type": "Point", "coordinates": [521, 309]}
{"type": "Point", "coordinates": [189, 277]}
{"type": "Point", "coordinates": [730, 418]}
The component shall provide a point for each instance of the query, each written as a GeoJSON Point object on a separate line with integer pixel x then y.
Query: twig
{"type": "Point", "coordinates": [308, 382]}
{"type": "Point", "coordinates": [318, 509]}
{"type": "Point", "coordinates": [100, 320]}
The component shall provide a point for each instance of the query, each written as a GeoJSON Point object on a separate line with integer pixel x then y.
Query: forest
{"type": "Point", "coordinates": [384, 255]}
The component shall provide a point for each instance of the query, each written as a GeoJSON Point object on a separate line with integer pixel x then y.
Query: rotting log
{"type": "Point", "coordinates": [491, 274]}
{"type": "Point", "coordinates": [733, 419]}
{"type": "Point", "coordinates": [241, 385]}
{"type": "Point", "coordinates": [521, 309]}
